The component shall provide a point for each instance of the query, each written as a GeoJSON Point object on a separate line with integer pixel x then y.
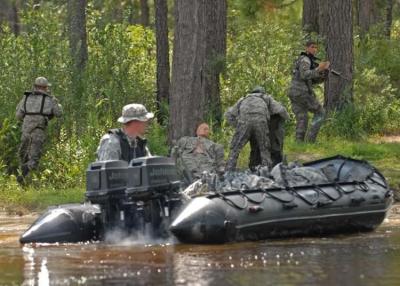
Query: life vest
{"type": "Point", "coordinates": [128, 151]}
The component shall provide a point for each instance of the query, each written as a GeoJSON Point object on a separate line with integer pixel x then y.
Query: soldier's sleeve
{"type": "Point", "coordinates": [20, 112]}
{"type": "Point", "coordinates": [109, 148]}
{"type": "Point", "coordinates": [57, 108]}
{"type": "Point", "coordinates": [306, 73]}
{"type": "Point", "coordinates": [231, 115]}
{"type": "Point", "coordinates": [276, 108]}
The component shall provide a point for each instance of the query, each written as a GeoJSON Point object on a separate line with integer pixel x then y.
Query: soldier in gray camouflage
{"type": "Point", "coordinates": [306, 73]}
{"type": "Point", "coordinates": [195, 155]}
{"type": "Point", "coordinates": [128, 142]}
{"type": "Point", "coordinates": [35, 110]}
{"type": "Point", "coordinates": [258, 119]}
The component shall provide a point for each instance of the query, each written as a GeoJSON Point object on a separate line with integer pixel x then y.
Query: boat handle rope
{"type": "Point", "coordinates": [363, 186]}
{"type": "Point", "coordinates": [232, 203]}
{"type": "Point", "coordinates": [311, 203]}
{"type": "Point", "coordinates": [376, 182]}
{"type": "Point", "coordinates": [319, 189]}
{"type": "Point", "coordinates": [280, 199]}
{"type": "Point", "coordinates": [340, 170]}
{"type": "Point", "coordinates": [251, 199]}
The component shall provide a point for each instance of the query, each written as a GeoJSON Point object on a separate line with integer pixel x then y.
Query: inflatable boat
{"type": "Point", "coordinates": [355, 197]}
{"type": "Point", "coordinates": [145, 197]}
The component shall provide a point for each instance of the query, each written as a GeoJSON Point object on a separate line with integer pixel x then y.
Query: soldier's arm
{"type": "Point", "coordinates": [306, 73]}
{"type": "Point", "coordinates": [57, 108]}
{"type": "Point", "coordinates": [109, 148]}
{"type": "Point", "coordinates": [231, 115]}
{"type": "Point", "coordinates": [20, 113]}
{"type": "Point", "coordinates": [276, 107]}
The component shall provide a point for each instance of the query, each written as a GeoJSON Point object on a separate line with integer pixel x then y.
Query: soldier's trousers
{"type": "Point", "coordinates": [257, 134]}
{"type": "Point", "coordinates": [276, 137]}
{"type": "Point", "coordinates": [302, 103]}
{"type": "Point", "coordinates": [31, 149]}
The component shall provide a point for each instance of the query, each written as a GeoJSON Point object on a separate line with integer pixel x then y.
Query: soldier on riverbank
{"type": "Point", "coordinates": [35, 110]}
{"type": "Point", "coordinates": [307, 73]}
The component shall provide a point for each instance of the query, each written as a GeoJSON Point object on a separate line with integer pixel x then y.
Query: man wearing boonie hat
{"type": "Point", "coordinates": [126, 143]}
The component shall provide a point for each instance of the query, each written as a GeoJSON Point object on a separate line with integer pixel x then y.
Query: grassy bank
{"type": "Point", "coordinates": [383, 155]}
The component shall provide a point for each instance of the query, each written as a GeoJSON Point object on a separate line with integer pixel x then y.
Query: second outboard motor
{"type": "Point", "coordinates": [138, 197]}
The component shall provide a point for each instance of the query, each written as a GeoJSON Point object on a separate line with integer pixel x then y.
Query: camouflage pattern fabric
{"type": "Point", "coordinates": [297, 175]}
{"type": "Point", "coordinates": [231, 181]}
{"type": "Point", "coordinates": [195, 155]}
{"type": "Point", "coordinates": [303, 99]}
{"type": "Point", "coordinates": [258, 119]}
{"type": "Point", "coordinates": [33, 127]}
{"type": "Point", "coordinates": [110, 147]}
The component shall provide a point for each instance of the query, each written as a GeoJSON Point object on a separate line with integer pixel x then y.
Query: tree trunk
{"type": "Point", "coordinates": [198, 59]}
{"type": "Point", "coordinates": [9, 14]}
{"type": "Point", "coordinates": [337, 28]}
{"type": "Point", "coordinates": [311, 16]}
{"type": "Point", "coordinates": [144, 13]}
{"type": "Point", "coordinates": [133, 16]}
{"type": "Point", "coordinates": [368, 14]}
{"type": "Point", "coordinates": [388, 18]}
{"type": "Point", "coordinates": [14, 18]}
{"type": "Point", "coordinates": [163, 68]}
{"type": "Point", "coordinates": [77, 33]}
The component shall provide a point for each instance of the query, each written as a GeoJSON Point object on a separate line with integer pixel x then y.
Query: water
{"type": "Point", "coordinates": [360, 259]}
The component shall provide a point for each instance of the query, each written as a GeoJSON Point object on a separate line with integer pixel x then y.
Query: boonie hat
{"type": "Point", "coordinates": [135, 111]}
{"type": "Point", "coordinates": [41, 81]}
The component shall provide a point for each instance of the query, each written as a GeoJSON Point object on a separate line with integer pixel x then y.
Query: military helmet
{"type": "Point", "coordinates": [258, 89]}
{"type": "Point", "coordinates": [42, 81]}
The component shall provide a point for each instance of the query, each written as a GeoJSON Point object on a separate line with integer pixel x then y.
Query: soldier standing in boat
{"type": "Point", "coordinates": [35, 110]}
{"type": "Point", "coordinates": [251, 116]}
{"type": "Point", "coordinates": [128, 142]}
{"type": "Point", "coordinates": [307, 73]}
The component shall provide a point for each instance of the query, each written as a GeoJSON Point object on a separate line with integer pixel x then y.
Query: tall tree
{"type": "Point", "coordinates": [336, 26]}
{"type": "Point", "coordinates": [367, 14]}
{"type": "Point", "coordinates": [14, 17]}
{"type": "Point", "coordinates": [198, 56]}
{"type": "Point", "coordinates": [311, 16]}
{"type": "Point", "coordinates": [388, 18]}
{"type": "Point", "coordinates": [9, 15]}
{"type": "Point", "coordinates": [77, 33]}
{"type": "Point", "coordinates": [163, 68]}
{"type": "Point", "coordinates": [144, 13]}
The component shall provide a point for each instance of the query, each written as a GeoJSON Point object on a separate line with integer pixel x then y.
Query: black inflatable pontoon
{"type": "Point", "coordinates": [139, 197]}
{"type": "Point", "coordinates": [145, 195]}
{"type": "Point", "coordinates": [356, 199]}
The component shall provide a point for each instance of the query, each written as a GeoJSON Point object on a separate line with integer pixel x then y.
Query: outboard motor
{"type": "Point", "coordinates": [138, 197]}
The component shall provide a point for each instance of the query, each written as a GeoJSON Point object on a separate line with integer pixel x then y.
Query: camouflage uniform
{"type": "Point", "coordinates": [251, 116]}
{"type": "Point", "coordinates": [194, 155]}
{"type": "Point", "coordinates": [116, 145]}
{"type": "Point", "coordinates": [35, 110]}
{"type": "Point", "coordinates": [303, 98]}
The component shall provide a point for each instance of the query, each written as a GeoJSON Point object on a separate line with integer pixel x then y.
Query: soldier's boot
{"type": "Point", "coordinates": [22, 176]}
{"type": "Point", "coordinates": [315, 127]}
{"type": "Point", "coordinates": [300, 135]}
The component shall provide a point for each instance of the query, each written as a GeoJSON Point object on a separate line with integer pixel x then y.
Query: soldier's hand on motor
{"type": "Point", "coordinates": [323, 66]}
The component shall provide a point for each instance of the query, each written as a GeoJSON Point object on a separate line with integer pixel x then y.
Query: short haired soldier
{"type": "Point", "coordinates": [251, 116]}
{"type": "Point", "coordinates": [306, 73]}
{"type": "Point", "coordinates": [128, 142]}
{"type": "Point", "coordinates": [194, 155]}
{"type": "Point", "coordinates": [35, 109]}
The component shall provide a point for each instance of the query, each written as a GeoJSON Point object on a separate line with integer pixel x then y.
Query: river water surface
{"type": "Point", "coordinates": [359, 259]}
